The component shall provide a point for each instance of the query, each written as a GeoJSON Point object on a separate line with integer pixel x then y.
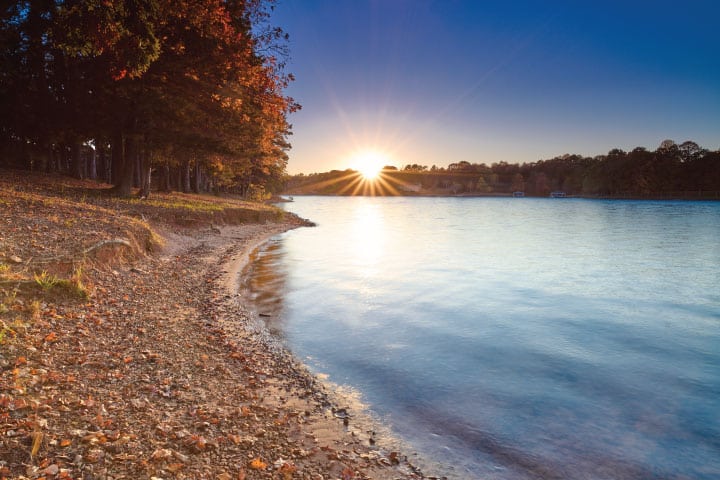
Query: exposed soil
{"type": "Point", "coordinates": [125, 352]}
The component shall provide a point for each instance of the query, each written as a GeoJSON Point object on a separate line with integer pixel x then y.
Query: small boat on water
{"type": "Point", "coordinates": [558, 195]}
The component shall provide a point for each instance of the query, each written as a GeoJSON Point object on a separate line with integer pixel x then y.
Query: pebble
{"type": "Point", "coordinates": [51, 470]}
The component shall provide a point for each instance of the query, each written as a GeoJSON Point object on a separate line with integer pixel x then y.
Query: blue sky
{"type": "Point", "coordinates": [436, 82]}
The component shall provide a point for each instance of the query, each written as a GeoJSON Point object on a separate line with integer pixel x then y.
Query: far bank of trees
{"type": "Point", "coordinates": [190, 91]}
{"type": "Point", "coordinates": [672, 170]}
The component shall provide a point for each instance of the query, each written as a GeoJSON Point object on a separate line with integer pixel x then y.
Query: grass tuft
{"type": "Point", "coordinates": [72, 287]}
{"type": "Point", "coordinates": [46, 281]}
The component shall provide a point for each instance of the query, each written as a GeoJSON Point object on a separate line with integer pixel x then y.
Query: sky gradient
{"type": "Point", "coordinates": [437, 82]}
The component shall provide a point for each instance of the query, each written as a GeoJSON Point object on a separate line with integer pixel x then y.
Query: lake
{"type": "Point", "coordinates": [513, 338]}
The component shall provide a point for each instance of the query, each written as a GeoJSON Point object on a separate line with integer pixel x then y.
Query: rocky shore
{"type": "Point", "coordinates": [152, 367]}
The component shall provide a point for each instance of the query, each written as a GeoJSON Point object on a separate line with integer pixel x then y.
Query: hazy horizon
{"type": "Point", "coordinates": [440, 82]}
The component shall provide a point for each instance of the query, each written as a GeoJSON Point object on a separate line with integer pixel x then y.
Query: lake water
{"type": "Point", "coordinates": [514, 338]}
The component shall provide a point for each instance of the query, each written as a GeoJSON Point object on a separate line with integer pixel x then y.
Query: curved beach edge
{"type": "Point", "coordinates": [332, 436]}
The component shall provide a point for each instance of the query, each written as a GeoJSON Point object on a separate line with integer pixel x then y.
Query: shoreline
{"type": "Point", "coordinates": [343, 437]}
{"type": "Point", "coordinates": [157, 369]}
{"type": "Point", "coordinates": [649, 198]}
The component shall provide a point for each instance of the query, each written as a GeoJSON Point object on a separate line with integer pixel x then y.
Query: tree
{"type": "Point", "coordinates": [518, 183]}
{"type": "Point", "coordinates": [168, 84]}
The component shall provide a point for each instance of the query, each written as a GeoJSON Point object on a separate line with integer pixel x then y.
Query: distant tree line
{"type": "Point", "coordinates": [672, 170]}
{"type": "Point", "coordinates": [191, 90]}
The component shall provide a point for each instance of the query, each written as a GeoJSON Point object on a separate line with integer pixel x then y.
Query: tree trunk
{"type": "Point", "coordinates": [177, 179]}
{"type": "Point", "coordinates": [43, 159]}
{"type": "Point", "coordinates": [144, 173]}
{"type": "Point", "coordinates": [165, 178]}
{"type": "Point", "coordinates": [92, 164]}
{"type": "Point", "coordinates": [102, 164]}
{"type": "Point", "coordinates": [76, 160]}
{"type": "Point", "coordinates": [124, 183]}
{"type": "Point", "coordinates": [186, 177]}
{"type": "Point", "coordinates": [137, 178]}
{"type": "Point", "coordinates": [117, 152]}
{"type": "Point", "coordinates": [50, 155]}
{"type": "Point", "coordinates": [198, 178]}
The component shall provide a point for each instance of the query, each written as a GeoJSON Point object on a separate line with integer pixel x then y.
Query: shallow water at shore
{"type": "Point", "coordinates": [513, 338]}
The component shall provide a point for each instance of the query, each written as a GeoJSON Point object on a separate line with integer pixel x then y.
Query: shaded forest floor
{"type": "Point", "coordinates": [125, 353]}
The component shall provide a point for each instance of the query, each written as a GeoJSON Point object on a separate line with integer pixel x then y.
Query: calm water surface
{"type": "Point", "coordinates": [514, 338]}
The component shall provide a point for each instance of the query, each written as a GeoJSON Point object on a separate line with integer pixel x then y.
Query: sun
{"type": "Point", "coordinates": [369, 163]}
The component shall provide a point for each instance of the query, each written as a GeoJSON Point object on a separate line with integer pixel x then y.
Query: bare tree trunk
{"type": "Point", "coordinates": [102, 163]}
{"type": "Point", "coordinates": [186, 176]}
{"type": "Point", "coordinates": [198, 178]}
{"type": "Point", "coordinates": [43, 157]}
{"type": "Point", "coordinates": [144, 173]}
{"type": "Point", "coordinates": [117, 152]}
{"type": "Point", "coordinates": [50, 159]}
{"type": "Point", "coordinates": [137, 179]}
{"type": "Point", "coordinates": [76, 160]}
{"type": "Point", "coordinates": [165, 178]}
{"type": "Point", "coordinates": [177, 179]}
{"type": "Point", "coordinates": [124, 183]}
{"type": "Point", "coordinates": [55, 160]}
{"type": "Point", "coordinates": [92, 164]}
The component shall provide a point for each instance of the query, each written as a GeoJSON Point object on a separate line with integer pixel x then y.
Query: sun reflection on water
{"type": "Point", "coordinates": [367, 239]}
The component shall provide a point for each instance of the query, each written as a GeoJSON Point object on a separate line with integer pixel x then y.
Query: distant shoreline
{"type": "Point", "coordinates": [712, 196]}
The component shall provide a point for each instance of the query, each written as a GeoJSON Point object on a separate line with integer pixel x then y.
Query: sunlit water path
{"type": "Point", "coordinates": [514, 338]}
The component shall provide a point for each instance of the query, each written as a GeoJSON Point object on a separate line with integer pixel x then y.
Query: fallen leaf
{"type": "Point", "coordinates": [161, 454]}
{"type": "Point", "coordinates": [258, 464]}
{"type": "Point", "coordinates": [287, 470]}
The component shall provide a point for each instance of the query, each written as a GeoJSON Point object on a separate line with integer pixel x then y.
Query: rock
{"type": "Point", "coordinates": [181, 457]}
{"type": "Point", "coordinates": [94, 456]}
{"type": "Point", "coordinates": [15, 259]}
{"type": "Point", "coordinates": [51, 470]}
{"type": "Point", "coordinates": [161, 454]}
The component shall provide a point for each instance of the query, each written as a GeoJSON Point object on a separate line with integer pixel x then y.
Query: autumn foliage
{"type": "Point", "coordinates": [191, 90]}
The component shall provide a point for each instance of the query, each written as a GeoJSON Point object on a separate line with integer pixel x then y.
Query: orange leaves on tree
{"type": "Point", "coordinates": [119, 75]}
{"type": "Point", "coordinates": [51, 337]}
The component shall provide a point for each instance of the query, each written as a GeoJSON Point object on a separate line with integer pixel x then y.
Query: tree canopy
{"type": "Point", "coordinates": [192, 89]}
